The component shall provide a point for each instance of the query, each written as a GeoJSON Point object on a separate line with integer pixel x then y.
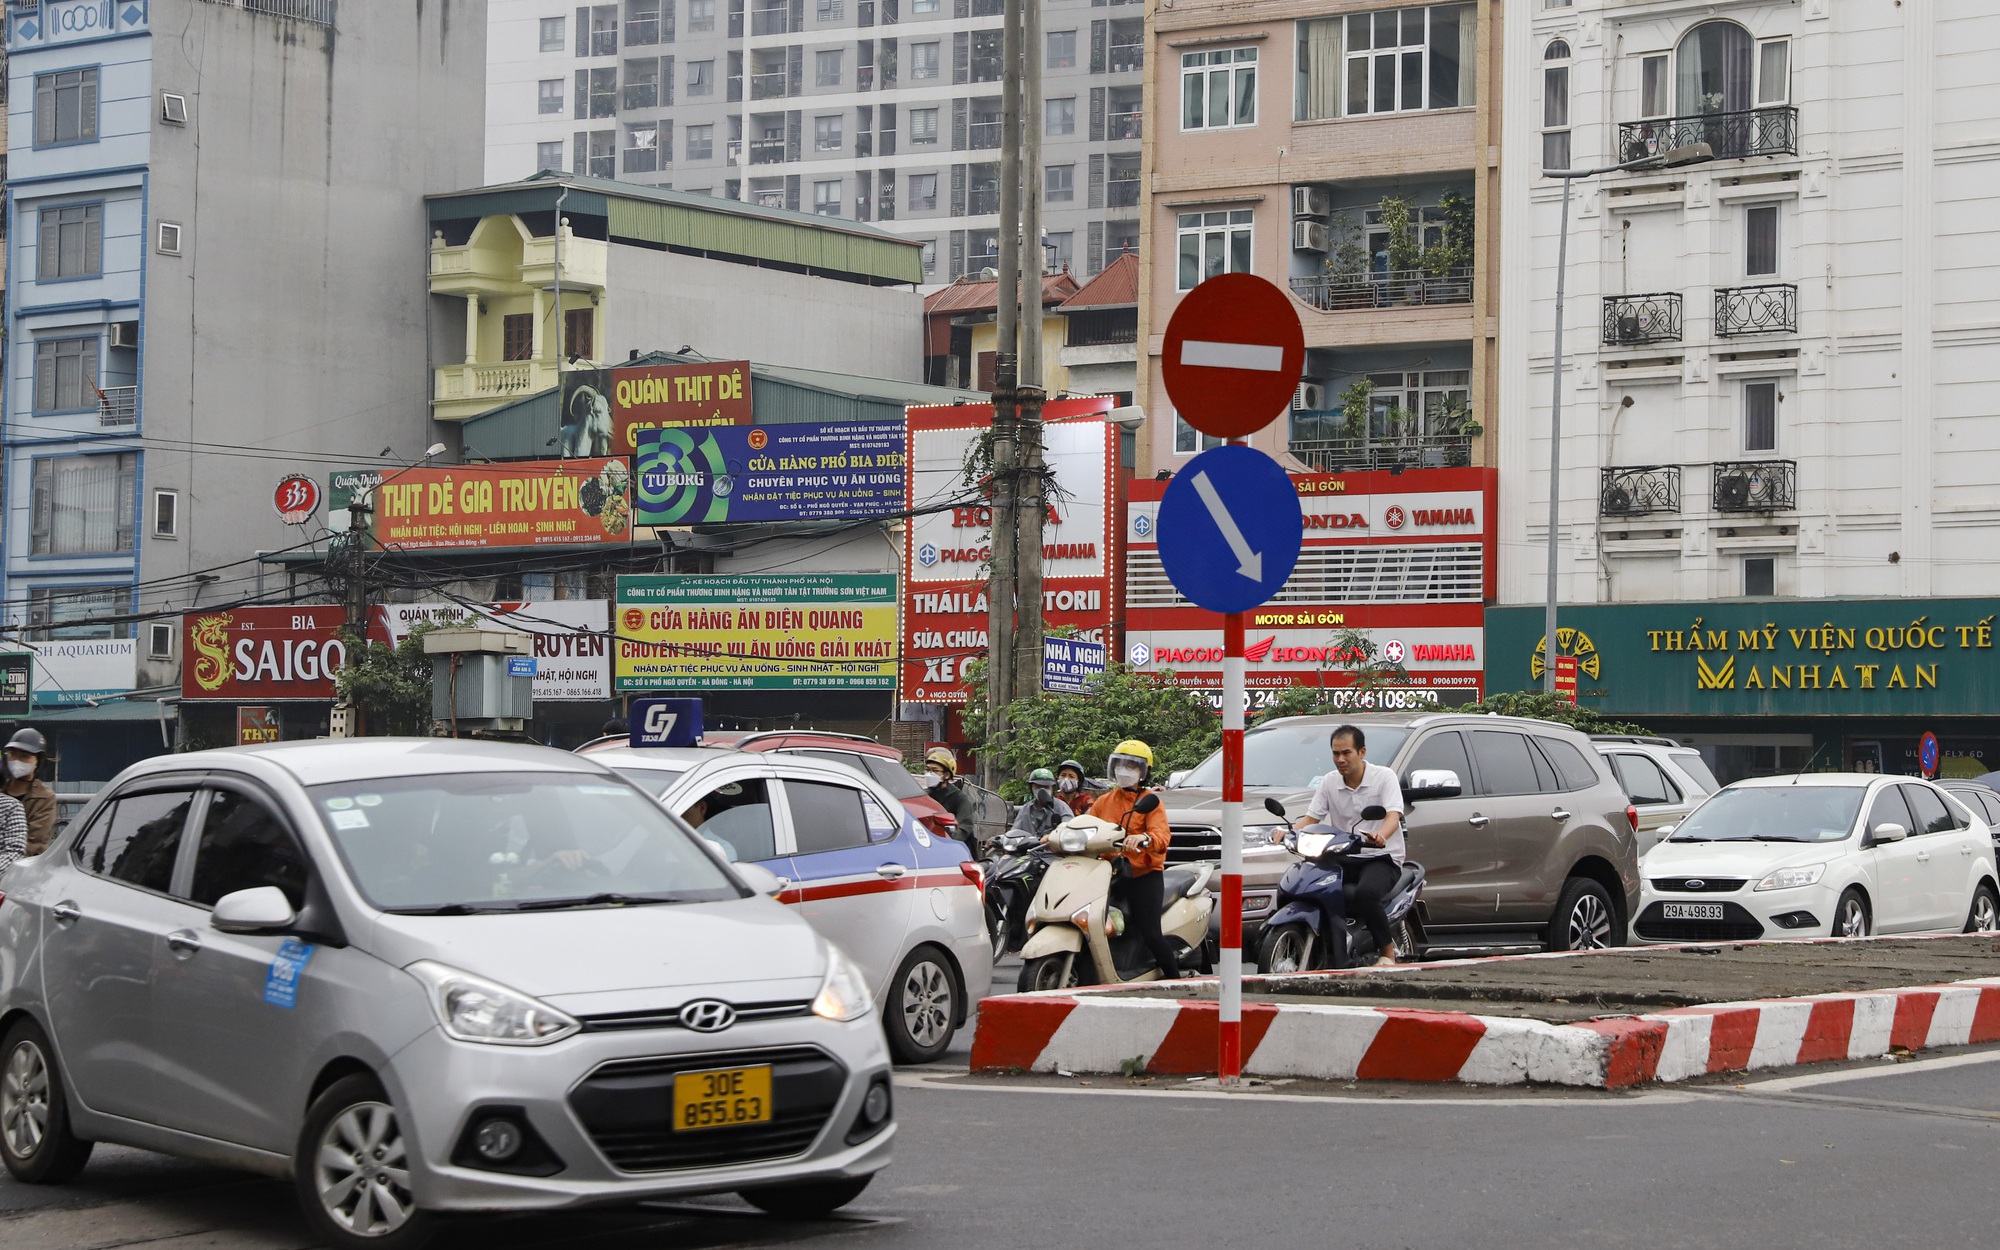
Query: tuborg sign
{"type": "Point", "coordinates": [1807, 657]}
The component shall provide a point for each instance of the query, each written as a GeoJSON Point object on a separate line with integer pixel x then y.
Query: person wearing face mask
{"type": "Point", "coordinates": [941, 778]}
{"type": "Point", "coordinates": [1145, 850]}
{"type": "Point", "coordinates": [1043, 811]}
{"type": "Point", "coordinates": [1070, 788]}
{"type": "Point", "coordinates": [24, 756]}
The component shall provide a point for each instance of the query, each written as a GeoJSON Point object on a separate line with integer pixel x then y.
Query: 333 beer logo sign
{"type": "Point", "coordinates": [296, 499]}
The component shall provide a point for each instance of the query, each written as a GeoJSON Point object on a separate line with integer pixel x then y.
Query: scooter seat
{"type": "Point", "coordinates": [1177, 882]}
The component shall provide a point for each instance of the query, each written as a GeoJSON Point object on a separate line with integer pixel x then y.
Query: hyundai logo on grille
{"type": "Point", "coordinates": [1696, 883]}
{"type": "Point", "coordinates": [708, 1016]}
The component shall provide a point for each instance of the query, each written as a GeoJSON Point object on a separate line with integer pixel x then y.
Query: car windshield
{"type": "Point", "coordinates": [651, 780]}
{"type": "Point", "coordinates": [1292, 757]}
{"type": "Point", "coordinates": [458, 843]}
{"type": "Point", "coordinates": [1774, 814]}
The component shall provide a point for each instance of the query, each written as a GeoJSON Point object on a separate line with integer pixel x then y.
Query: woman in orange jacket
{"type": "Point", "coordinates": [1145, 851]}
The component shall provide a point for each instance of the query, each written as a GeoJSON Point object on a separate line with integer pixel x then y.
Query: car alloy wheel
{"type": "Point", "coordinates": [24, 1100]}
{"type": "Point", "coordinates": [927, 1004]}
{"type": "Point", "coordinates": [361, 1173]}
{"type": "Point", "coordinates": [1589, 924]}
{"type": "Point", "coordinates": [1853, 919]}
{"type": "Point", "coordinates": [1985, 912]}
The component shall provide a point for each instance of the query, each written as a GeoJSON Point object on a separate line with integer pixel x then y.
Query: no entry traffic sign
{"type": "Point", "coordinates": [1233, 355]}
{"type": "Point", "coordinates": [1230, 529]}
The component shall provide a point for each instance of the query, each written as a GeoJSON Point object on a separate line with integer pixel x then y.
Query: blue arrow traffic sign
{"type": "Point", "coordinates": [1230, 528]}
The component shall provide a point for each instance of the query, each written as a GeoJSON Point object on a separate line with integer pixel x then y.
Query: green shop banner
{"type": "Point", "coordinates": [805, 631]}
{"type": "Point", "coordinates": [1807, 657]}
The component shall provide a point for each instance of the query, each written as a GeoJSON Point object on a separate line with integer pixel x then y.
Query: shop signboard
{"type": "Point", "coordinates": [605, 410]}
{"type": "Point", "coordinates": [947, 543]}
{"type": "Point", "coordinates": [16, 683]}
{"type": "Point", "coordinates": [1406, 558]}
{"type": "Point", "coordinates": [1803, 658]}
{"type": "Point", "coordinates": [812, 471]}
{"type": "Point", "coordinates": [73, 672]}
{"type": "Point", "coordinates": [572, 638]}
{"type": "Point", "coordinates": [530, 503]}
{"type": "Point", "coordinates": [262, 654]}
{"type": "Point", "coordinates": [805, 631]}
{"type": "Point", "coordinates": [255, 724]}
{"type": "Point", "coordinates": [1069, 665]}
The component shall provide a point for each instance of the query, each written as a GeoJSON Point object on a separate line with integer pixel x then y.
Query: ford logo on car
{"type": "Point", "coordinates": [708, 1016]}
{"type": "Point", "coordinates": [1696, 883]}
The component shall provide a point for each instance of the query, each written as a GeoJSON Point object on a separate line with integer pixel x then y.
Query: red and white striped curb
{"type": "Point", "coordinates": [1072, 1032]}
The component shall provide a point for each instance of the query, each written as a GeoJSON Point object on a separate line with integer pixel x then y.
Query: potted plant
{"type": "Point", "coordinates": [1398, 217]}
{"type": "Point", "coordinates": [1346, 264]}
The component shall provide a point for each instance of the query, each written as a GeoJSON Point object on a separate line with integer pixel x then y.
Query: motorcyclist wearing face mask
{"type": "Point", "coordinates": [1072, 789]}
{"type": "Point", "coordinates": [24, 756]}
{"type": "Point", "coordinates": [1043, 811]}
{"type": "Point", "coordinates": [1145, 853]}
{"type": "Point", "coordinates": [941, 778]}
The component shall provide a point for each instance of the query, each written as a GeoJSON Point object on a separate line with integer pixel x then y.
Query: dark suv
{"type": "Point", "coordinates": [1535, 847]}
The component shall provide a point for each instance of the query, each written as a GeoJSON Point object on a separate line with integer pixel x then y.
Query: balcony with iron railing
{"type": "Point", "coordinates": [1730, 136]}
{"type": "Point", "coordinates": [1755, 486]}
{"type": "Point", "coordinates": [1121, 193]}
{"type": "Point", "coordinates": [1639, 490]}
{"type": "Point", "coordinates": [1769, 309]}
{"type": "Point", "coordinates": [117, 406]}
{"type": "Point", "coordinates": [1401, 288]}
{"type": "Point", "coordinates": [980, 135]}
{"type": "Point", "coordinates": [1125, 57]}
{"type": "Point", "coordinates": [769, 22]}
{"type": "Point", "coordinates": [1636, 320]}
{"type": "Point", "coordinates": [1353, 455]}
{"type": "Point", "coordinates": [767, 151]}
{"type": "Point", "coordinates": [768, 86]}
{"type": "Point", "coordinates": [1124, 125]}
{"type": "Point", "coordinates": [982, 200]}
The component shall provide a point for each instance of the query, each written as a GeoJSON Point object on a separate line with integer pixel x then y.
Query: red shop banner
{"type": "Point", "coordinates": [258, 654]}
{"type": "Point", "coordinates": [948, 541]}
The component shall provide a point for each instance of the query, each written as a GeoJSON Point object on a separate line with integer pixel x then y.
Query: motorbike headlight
{"type": "Point", "coordinates": [1793, 878]}
{"type": "Point", "coordinates": [1071, 841]}
{"type": "Point", "coordinates": [473, 1009]}
{"type": "Point", "coordinates": [844, 994]}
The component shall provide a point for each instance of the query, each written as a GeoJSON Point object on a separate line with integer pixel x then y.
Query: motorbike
{"type": "Point", "coordinates": [1077, 933]}
{"type": "Point", "coordinates": [1311, 928]}
{"type": "Point", "coordinates": [1015, 866]}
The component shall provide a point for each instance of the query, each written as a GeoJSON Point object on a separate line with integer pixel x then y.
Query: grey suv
{"type": "Point", "coordinates": [1536, 847]}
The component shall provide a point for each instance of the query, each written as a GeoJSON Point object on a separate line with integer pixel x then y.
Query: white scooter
{"type": "Point", "coordinates": [1077, 936]}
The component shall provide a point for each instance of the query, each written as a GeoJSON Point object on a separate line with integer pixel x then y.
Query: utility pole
{"type": "Point", "coordinates": [1029, 391]}
{"type": "Point", "coordinates": [1002, 532]}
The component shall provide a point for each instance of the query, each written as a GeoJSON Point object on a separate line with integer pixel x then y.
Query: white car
{"type": "Point", "coordinates": [1826, 854]}
{"type": "Point", "coordinates": [904, 903]}
{"type": "Point", "coordinates": [1664, 779]}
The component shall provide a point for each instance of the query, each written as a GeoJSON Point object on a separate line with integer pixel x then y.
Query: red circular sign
{"type": "Point", "coordinates": [296, 499]}
{"type": "Point", "coordinates": [1393, 518]}
{"type": "Point", "coordinates": [1233, 355]}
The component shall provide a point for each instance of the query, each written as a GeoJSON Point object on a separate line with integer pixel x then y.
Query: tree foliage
{"type": "Point", "coordinates": [1178, 724]}
{"type": "Point", "coordinates": [1544, 705]}
{"type": "Point", "coordinates": [391, 685]}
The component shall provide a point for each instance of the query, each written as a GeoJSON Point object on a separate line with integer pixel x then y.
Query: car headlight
{"type": "Point", "coordinates": [1793, 878]}
{"type": "Point", "coordinates": [844, 994]}
{"type": "Point", "coordinates": [1071, 841]}
{"type": "Point", "coordinates": [1259, 835]}
{"type": "Point", "coordinates": [473, 1009]}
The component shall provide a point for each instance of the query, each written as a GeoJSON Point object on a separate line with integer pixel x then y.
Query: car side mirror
{"type": "Point", "coordinates": [1275, 808]}
{"type": "Point", "coordinates": [760, 878]}
{"type": "Point", "coordinates": [1431, 783]}
{"type": "Point", "coordinates": [1149, 803]}
{"type": "Point", "coordinates": [1889, 831]}
{"type": "Point", "coordinates": [261, 909]}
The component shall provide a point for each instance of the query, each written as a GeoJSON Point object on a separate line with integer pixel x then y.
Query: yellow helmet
{"type": "Point", "coordinates": [944, 758]}
{"type": "Point", "coordinates": [1130, 751]}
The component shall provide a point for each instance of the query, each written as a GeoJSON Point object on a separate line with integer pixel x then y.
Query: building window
{"type": "Point", "coordinates": [1653, 86]}
{"type": "Point", "coordinates": [580, 333]}
{"type": "Point", "coordinates": [549, 155]}
{"type": "Point", "coordinates": [173, 108]}
{"type": "Point", "coordinates": [1555, 106]}
{"type": "Point", "coordinates": [701, 78]}
{"type": "Point", "coordinates": [169, 243]}
{"type": "Point", "coordinates": [1219, 89]}
{"type": "Point", "coordinates": [166, 514]}
{"type": "Point", "coordinates": [701, 142]}
{"type": "Point", "coordinates": [923, 192]}
{"type": "Point", "coordinates": [642, 22]}
{"type": "Point", "coordinates": [986, 56]}
{"type": "Point", "coordinates": [930, 255]}
{"type": "Point", "coordinates": [1760, 577]}
{"type": "Point", "coordinates": [553, 37]}
{"type": "Point", "coordinates": [826, 198]}
{"type": "Point", "coordinates": [72, 242]}
{"type": "Point", "coordinates": [924, 6]}
{"type": "Point", "coordinates": [1060, 115]}
{"type": "Point", "coordinates": [830, 10]}
{"type": "Point", "coordinates": [83, 504]}
{"type": "Point", "coordinates": [68, 613]}
{"type": "Point", "coordinates": [66, 107]}
{"type": "Point", "coordinates": [550, 98]}
{"type": "Point", "coordinates": [65, 374]}
{"type": "Point", "coordinates": [923, 125]}
{"type": "Point", "coordinates": [603, 30]}
{"type": "Point", "coordinates": [1059, 184]}
{"type": "Point", "coordinates": [642, 84]}
{"type": "Point", "coordinates": [827, 133]}
{"type": "Point", "coordinates": [159, 641]}
{"type": "Point", "coordinates": [1760, 415]}
{"type": "Point", "coordinates": [517, 336]}
{"type": "Point", "coordinates": [1760, 241]}
{"type": "Point", "coordinates": [1719, 68]}
{"type": "Point", "coordinates": [1213, 243]}
{"type": "Point", "coordinates": [1438, 398]}
{"type": "Point", "coordinates": [826, 68]}
{"type": "Point", "coordinates": [597, 92]}
{"type": "Point", "coordinates": [701, 15]}
{"type": "Point", "coordinates": [924, 60]}
{"type": "Point", "coordinates": [603, 154]}
{"type": "Point", "coordinates": [1405, 60]}
{"type": "Point", "coordinates": [1062, 250]}
{"type": "Point", "coordinates": [1774, 79]}
{"type": "Point", "coordinates": [1188, 440]}
{"type": "Point", "coordinates": [644, 152]}
{"type": "Point", "coordinates": [1062, 49]}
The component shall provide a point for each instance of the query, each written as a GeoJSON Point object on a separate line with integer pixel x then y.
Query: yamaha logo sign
{"type": "Point", "coordinates": [708, 1015]}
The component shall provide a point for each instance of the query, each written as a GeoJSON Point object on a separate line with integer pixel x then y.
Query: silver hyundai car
{"type": "Point", "coordinates": [421, 976]}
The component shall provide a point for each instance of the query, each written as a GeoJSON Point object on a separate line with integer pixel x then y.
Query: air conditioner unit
{"type": "Point", "coordinates": [1617, 500]}
{"type": "Point", "coordinates": [1310, 236]}
{"type": "Point", "coordinates": [125, 334]}
{"type": "Point", "coordinates": [1732, 492]}
{"type": "Point", "coordinates": [1311, 201]}
{"type": "Point", "coordinates": [1309, 396]}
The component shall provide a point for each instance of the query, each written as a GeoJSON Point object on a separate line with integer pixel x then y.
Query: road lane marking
{"type": "Point", "coordinates": [1206, 353]}
{"type": "Point", "coordinates": [1599, 1098]}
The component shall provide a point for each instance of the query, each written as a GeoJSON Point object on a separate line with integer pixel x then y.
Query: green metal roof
{"type": "Point", "coordinates": [700, 223]}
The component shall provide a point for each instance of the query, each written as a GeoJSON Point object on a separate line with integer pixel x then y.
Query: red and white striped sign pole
{"type": "Point", "coordinates": [1230, 1034]}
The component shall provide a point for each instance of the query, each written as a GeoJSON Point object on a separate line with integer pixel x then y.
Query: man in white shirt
{"type": "Point", "coordinates": [1343, 795]}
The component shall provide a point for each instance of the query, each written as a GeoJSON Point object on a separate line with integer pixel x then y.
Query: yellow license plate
{"type": "Point", "coordinates": [722, 1098]}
